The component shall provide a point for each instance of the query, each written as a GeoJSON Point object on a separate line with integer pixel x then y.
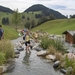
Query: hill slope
{"type": "Point", "coordinates": [57, 26]}
{"type": "Point", "coordinates": [5, 9]}
{"type": "Point", "coordinates": [10, 33]}
{"type": "Point", "coordinates": [46, 11]}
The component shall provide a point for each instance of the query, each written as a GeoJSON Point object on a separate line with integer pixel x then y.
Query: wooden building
{"type": "Point", "coordinates": [69, 36]}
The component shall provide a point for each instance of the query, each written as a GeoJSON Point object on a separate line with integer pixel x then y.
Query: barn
{"type": "Point", "coordinates": [69, 36]}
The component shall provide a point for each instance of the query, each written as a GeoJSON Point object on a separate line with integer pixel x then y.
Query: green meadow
{"type": "Point", "coordinates": [10, 33]}
{"type": "Point", "coordinates": [56, 26]}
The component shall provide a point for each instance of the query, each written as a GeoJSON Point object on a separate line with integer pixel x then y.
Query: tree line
{"type": "Point", "coordinates": [30, 23]}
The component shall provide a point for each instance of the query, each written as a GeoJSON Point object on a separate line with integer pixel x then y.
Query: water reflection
{"type": "Point", "coordinates": [26, 59]}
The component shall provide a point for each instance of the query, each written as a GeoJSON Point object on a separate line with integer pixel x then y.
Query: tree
{"type": "Point", "coordinates": [16, 18]}
{"type": "Point", "coordinates": [52, 17]}
{"type": "Point", "coordinates": [32, 23]}
{"type": "Point", "coordinates": [27, 25]}
{"type": "Point", "coordinates": [42, 20]}
{"type": "Point", "coordinates": [28, 18]}
{"type": "Point", "coordinates": [5, 21]}
{"type": "Point", "coordinates": [23, 17]}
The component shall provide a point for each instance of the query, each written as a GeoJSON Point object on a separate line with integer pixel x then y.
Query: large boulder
{"type": "Point", "coordinates": [69, 55]}
{"type": "Point", "coordinates": [51, 57]}
{"type": "Point", "coordinates": [42, 53]}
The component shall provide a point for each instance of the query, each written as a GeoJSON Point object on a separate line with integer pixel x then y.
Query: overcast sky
{"type": "Point", "coordinates": [66, 7]}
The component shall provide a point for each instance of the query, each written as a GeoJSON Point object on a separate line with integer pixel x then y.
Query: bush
{"type": "Point", "coordinates": [51, 50]}
{"type": "Point", "coordinates": [45, 42]}
{"type": "Point", "coordinates": [7, 48]}
{"type": "Point", "coordinates": [59, 46]}
{"type": "Point", "coordinates": [69, 62]}
{"type": "Point", "coordinates": [2, 58]}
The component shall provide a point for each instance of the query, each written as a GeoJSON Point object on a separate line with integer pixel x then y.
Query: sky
{"type": "Point", "coordinates": [65, 7]}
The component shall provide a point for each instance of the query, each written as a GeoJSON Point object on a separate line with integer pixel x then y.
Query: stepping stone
{"type": "Point", "coordinates": [17, 52]}
{"type": "Point", "coordinates": [56, 64]}
{"type": "Point", "coordinates": [20, 49]}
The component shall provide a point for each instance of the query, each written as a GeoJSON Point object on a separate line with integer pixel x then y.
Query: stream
{"type": "Point", "coordinates": [31, 64]}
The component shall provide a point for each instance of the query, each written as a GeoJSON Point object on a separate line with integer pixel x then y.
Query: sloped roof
{"type": "Point", "coordinates": [70, 32]}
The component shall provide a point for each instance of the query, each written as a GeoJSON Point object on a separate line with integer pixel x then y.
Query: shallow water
{"type": "Point", "coordinates": [31, 64]}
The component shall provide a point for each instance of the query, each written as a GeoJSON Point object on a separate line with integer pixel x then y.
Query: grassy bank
{"type": "Point", "coordinates": [10, 33]}
{"type": "Point", "coordinates": [57, 26]}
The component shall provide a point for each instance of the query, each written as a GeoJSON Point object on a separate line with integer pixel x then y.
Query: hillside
{"type": "Point", "coordinates": [31, 17]}
{"type": "Point", "coordinates": [57, 26]}
{"type": "Point", "coordinates": [23, 21]}
{"type": "Point", "coordinates": [5, 9]}
{"type": "Point", "coordinates": [46, 11]}
{"type": "Point", "coordinates": [10, 33]}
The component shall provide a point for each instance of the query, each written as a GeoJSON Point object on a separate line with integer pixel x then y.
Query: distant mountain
{"type": "Point", "coordinates": [46, 11]}
{"type": "Point", "coordinates": [5, 9]}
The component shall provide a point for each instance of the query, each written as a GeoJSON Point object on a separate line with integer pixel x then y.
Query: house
{"type": "Point", "coordinates": [69, 36]}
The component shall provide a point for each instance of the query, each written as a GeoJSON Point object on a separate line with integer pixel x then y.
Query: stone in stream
{"type": "Point", "coordinates": [16, 56]}
{"type": "Point", "coordinates": [50, 57]}
{"type": "Point", "coordinates": [20, 49]}
{"type": "Point", "coordinates": [10, 67]}
{"type": "Point", "coordinates": [63, 71]}
{"type": "Point", "coordinates": [67, 70]}
{"type": "Point", "coordinates": [2, 69]}
{"type": "Point", "coordinates": [17, 52]}
{"type": "Point", "coordinates": [38, 48]}
{"type": "Point", "coordinates": [70, 69]}
{"type": "Point", "coordinates": [7, 67]}
{"type": "Point", "coordinates": [56, 64]}
{"type": "Point", "coordinates": [41, 53]}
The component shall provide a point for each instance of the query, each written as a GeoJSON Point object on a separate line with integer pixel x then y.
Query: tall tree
{"type": "Point", "coordinates": [16, 18]}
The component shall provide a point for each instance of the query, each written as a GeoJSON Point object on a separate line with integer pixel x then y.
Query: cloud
{"type": "Point", "coordinates": [58, 7]}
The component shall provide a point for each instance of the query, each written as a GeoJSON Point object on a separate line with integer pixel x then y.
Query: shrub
{"type": "Point", "coordinates": [58, 56]}
{"type": "Point", "coordinates": [69, 62]}
{"type": "Point", "coordinates": [51, 50]}
{"type": "Point", "coordinates": [2, 58]}
{"type": "Point", "coordinates": [7, 48]}
{"type": "Point", "coordinates": [59, 46]}
{"type": "Point", "coordinates": [45, 42]}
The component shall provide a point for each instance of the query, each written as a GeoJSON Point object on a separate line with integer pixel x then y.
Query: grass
{"type": "Point", "coordinates": [6, 51]}
{"type": "Point", "coordinates": [53, 27]}
{"type": "Point", "coordinates": [22, 21]}
{"type": "Point", "coordinates": [9, 33]}
{"type": "Point", "coordinates": [56, 26]}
